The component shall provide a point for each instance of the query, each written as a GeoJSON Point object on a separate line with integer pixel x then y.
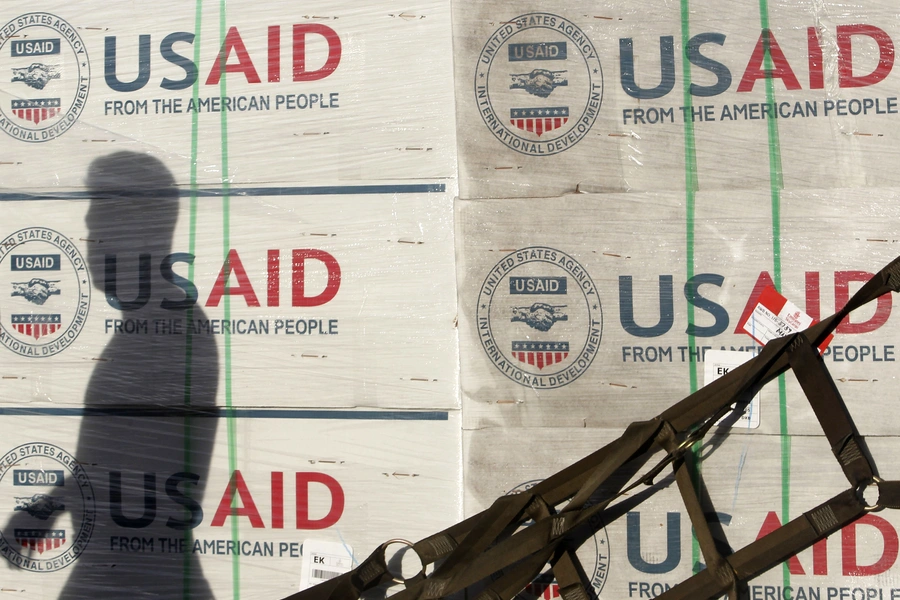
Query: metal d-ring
{"type": "Point", "coordinates": [863, 486]}
{"type": "Point", "coordinates": [408, 544]}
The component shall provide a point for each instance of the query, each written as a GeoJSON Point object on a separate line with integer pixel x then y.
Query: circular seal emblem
{"type": "Point", "coordinates": [539, 84]}
{"type": "Point", "coordinates": [46, 75]}
{"type": "Point", "coordinates": [539, 317]}
{"type": "Point", "coordinates": [52, 505]}
{"type": "Point", "coordinates": [593, 555]}
{"type": "Point", "coordinates": [45, 292]}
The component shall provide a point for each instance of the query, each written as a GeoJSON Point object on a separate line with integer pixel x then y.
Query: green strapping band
{"type": "Point", "coordinates": [189, 341]}
{"type": "Point", "coordinates": [690, 188]}
{"type": "Point", "coordinates": [776, 184]}
{"type": "Point", "coordinates": [226, 245]}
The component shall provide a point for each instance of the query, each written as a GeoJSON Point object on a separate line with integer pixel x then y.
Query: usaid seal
{"type": "Point", "coordinates": [45, 292]}
{"type": "Point", "coordinates": [45, 74]}
{"type": "Point", "coordinates": [539, 317]}
{"type": "Point", "coordinates": [593, 556]}
{"type": "Point", "coordinates": [538, 84]}
{"type": "Point", "coordinates": [49, 507]}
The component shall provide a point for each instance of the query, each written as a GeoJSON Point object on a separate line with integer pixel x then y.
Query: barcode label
{"type": "Point", "coordinates": [325, 575]}
{"type": "Point", "coordinates": [323, 561]}
{"type": "Point", "coordinates": [719, 363]}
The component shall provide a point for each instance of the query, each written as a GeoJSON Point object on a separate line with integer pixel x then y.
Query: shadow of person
{"type": "Point", "coordinates": [147, 436]}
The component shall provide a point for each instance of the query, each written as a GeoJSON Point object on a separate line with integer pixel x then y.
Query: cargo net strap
{"type": "Point", "coordinates": [505, 547]}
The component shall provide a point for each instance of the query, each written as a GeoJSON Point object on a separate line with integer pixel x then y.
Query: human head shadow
{"type": "Point", "coordinates": [147, 433]}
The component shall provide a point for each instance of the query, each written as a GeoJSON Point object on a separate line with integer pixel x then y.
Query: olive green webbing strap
{"type": "Point", "coordinates": [726, 575]}
{"type": "Point", "coordinates": [468, 540]}
{"type": "Point", "coordinates": [831, 412]}
{"type": "Point", "coordinates": [495, 541]}
{"type": "Point", "coordinates": [772, 549]}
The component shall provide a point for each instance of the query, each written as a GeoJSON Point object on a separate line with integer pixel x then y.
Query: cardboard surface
{"type": "Point", "coordinates": [148, 497]}
{"type": "Point", "coordinates": [233, 282]}
{"type": "Point", "coordinates": [228, 292]}
{"type": "Point", "coordinates": [752, 480]}
{"type": "Point", "coordinates": [597, 275]}
{"type": "Point", "coordinates": [304, 291]}
{"type": "Point", "coordinates": [636, 108]}
{"type": "Point", "coordinates": [320, 95]}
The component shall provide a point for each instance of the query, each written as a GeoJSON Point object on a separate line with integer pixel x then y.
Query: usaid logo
{"type": "Point", "coordinates": [538, 84]}
{"type": "Point", "coordinates": [45, 74]}
{"type": "Point", "coordinates": [45, 292]}
{"type": "Point", "coordinates": [51, 503]}
{"type": "Point", "coordinates": [539, 317]}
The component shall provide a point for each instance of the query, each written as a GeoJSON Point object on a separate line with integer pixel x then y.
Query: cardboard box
{"type": "Point", "coordinates": [216, 505]}
{"type": "Point", "coordinates": [329, 93]}
{"type": "Point", "coordinates": [597, 310]}
{"type": "Point", "coordinates": [656, 95]}
{"type": "Point", "coordinates": [287, 294]}
{"type": "Point", "coordinates": [755, 482]}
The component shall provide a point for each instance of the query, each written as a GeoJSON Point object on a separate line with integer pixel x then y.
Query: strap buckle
{"type": "Point", "coordinates": [399, 578]}
{"type": "Point", "coordinates": [692, 438]}
{"type": "Point", "coordinates": [863, 489]}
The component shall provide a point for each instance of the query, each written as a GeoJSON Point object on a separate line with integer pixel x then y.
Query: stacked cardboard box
{"type": "Point", "coordinates": [633, 176]}
{"type": "Point", "coordinates": [228, 305]}
{"type": "Point", "coordinates": [279, 283]}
